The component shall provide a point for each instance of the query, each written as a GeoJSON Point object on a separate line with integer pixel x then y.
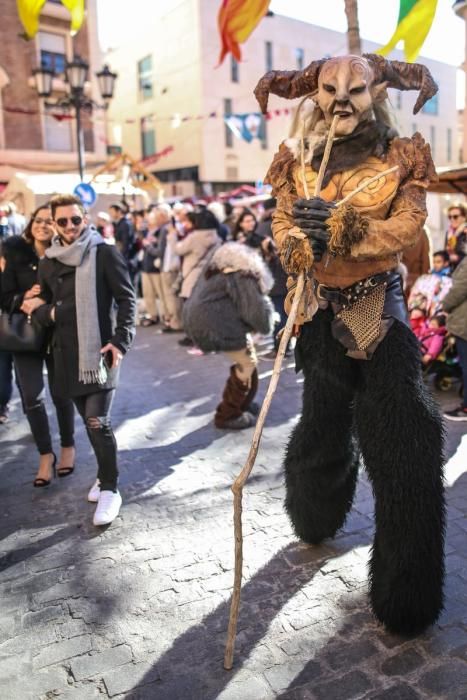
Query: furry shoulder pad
{"type": "Point", "coordinates": [280, 173]}
{"type": "Point", "coordinates": [413, 156]}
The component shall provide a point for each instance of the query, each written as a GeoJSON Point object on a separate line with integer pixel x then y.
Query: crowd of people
{"type": "Point", "coordinates": [206, 271]}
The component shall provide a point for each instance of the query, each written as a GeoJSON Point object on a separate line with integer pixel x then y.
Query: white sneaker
{"type": "Point", "coordinates": [94, 492]}
{"type": "Point", "coordinates": [108, 507]}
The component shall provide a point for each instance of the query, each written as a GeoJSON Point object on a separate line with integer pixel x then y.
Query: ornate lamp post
{"type": "Point", "coordinates": [76, 72]}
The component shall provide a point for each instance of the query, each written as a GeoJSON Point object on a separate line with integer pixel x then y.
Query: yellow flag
{"type": "Point", "coordinates": [30, 10]}
{"type": "Point", "coordinates": [414, 23]}
{"type": "Point", "coordinates": [76, 8]}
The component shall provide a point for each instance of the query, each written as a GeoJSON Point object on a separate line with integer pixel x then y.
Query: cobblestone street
{"type": "Point", "coordinates": [139, 610]}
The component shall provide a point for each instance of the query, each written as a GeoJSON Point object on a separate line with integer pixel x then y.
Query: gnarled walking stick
{"type": "Point", "coordinates": [237, 486]}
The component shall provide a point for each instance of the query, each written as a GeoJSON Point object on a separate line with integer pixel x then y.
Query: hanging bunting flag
{"type": "Point", "coordinates": [236, 20]}
{"type": "Point", "coordinates": [29, 11]}
{"type": "Point", "coordinates": [246, 126]}
{"type": "Point", "coordinates": [414, 23]}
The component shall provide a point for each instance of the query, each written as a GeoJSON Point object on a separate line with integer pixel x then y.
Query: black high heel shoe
{"type": "Point", "coordinates": [62, 472]}
{"type": "Point", "coordinates": [39, 483]}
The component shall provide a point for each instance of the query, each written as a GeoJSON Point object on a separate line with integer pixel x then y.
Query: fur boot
{"type": "Point", "coordinates": [230, 409]}
{"type": "Point", "coordinates": [248, 404]}
{"type": "Point", "coordinates": [321, 470]}
{"type": "Point", "coordinates": [401, 437]}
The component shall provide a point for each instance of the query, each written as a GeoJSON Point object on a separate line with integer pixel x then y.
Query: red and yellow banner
{"type": "Point", "coordinates": [236, 21]}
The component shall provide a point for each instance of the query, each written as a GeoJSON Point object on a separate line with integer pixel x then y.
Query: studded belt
{"type": "Point", "coordinates": [349, 295]}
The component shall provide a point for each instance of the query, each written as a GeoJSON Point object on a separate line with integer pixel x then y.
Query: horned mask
{"type": "Point", "coordinates": [348, 86]}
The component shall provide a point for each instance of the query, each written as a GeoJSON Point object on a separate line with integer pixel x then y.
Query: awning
{"type": "Point", "coordinates": [451, 181]}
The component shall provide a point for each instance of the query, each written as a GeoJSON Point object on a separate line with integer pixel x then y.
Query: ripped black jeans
{"type": "Point", "coordinates": [94, 409]}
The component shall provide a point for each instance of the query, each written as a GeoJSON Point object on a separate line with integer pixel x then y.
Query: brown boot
{"type": "Point", "coordinates": [248, 404]}
{"type": "Point", "coordinates": [229, 413]}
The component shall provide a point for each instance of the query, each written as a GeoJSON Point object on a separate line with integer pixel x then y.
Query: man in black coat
{"type": "Point", "coordinates": [82, 280]}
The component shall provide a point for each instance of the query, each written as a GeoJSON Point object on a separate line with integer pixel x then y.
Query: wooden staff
{"type": "Point", "coordinates": [237, 486]}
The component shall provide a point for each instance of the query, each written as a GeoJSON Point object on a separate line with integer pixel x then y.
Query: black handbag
{"type": "Point", "coordinates": [21, 333]}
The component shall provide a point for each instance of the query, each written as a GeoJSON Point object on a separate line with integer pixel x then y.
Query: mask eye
{"type": "Point", "coordinates": [329, 88]}
{"type": "Point", "coordinates": [358, 90]}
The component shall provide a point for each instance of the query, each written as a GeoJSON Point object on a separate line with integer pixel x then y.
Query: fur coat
{"type": "Point", "coordinates": [193, 249]}
{"type": "Point", "coordinates": [229, 300]}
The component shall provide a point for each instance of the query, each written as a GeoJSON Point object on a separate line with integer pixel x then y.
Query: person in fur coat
{"type": "Point", "coordinates": [229, 303]}
{"type": "Point", "coordinates": [364, 399]}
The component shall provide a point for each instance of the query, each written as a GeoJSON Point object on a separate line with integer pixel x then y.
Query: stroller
{"type": "Point", "coordinates": [424, 307]}
{"type": "Point", "coordinates": [445, 368]}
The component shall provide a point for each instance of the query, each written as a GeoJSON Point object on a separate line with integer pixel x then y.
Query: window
{"type": "Point", "coordinates": [52, 50]}
{"type": "Point", "coordinates": [449, 145]}
{"type": "Point", "coordinates": [228, 132]}
{"type": "Point", "coordinates": [431, 107]}
{"type": "Point", "coordinates": [145, 78]}
{"type": "Point", "coordinates": [57, 134]}
{"type": "Point", "coordinates": [433, 140]}
{"type": "Point", "coordinates": [300, 58]}
{"type": "Point", "coordinates": [268, 46]}
{"type": "Point", "coordinates": [148, 137]}
{"type": "Point", "coordinates": [233, 70]}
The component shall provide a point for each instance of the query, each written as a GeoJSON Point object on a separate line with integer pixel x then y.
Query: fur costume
{"type": "Point", "coordinates": [229, 300]}
{"type": "Point", "coordinates": [360, 360]}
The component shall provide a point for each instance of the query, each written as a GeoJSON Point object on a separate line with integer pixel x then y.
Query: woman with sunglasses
{"type": "Point", "coordinates": [20, 283]}
{"type": "Point", "coordinates": [456, 235]}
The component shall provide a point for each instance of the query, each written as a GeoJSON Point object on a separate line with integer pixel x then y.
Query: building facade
{"type": "Point", "coordinates": [171, 98]}
{"type": "Point", "coordinates": [33, 136]}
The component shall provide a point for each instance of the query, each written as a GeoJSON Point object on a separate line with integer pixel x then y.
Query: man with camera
{"type": "Point", "coordinates": [82, 281]}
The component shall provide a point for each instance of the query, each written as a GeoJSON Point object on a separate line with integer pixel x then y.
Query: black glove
{"type": "Point", "coordinates": [310, 216]}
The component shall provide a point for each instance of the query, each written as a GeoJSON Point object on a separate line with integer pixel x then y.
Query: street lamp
{"type": "Point", "coordinates": [76, 72]}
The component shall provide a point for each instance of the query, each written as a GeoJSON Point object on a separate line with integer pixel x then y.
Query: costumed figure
{"type": "Point", "coordinates": [228, 303]}
{"type": "Point", "coordinates": [363, 390]}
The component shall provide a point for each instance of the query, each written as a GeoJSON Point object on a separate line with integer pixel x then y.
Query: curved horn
{"type": "Point", "coordinates": [288, 83]}
{"type": "Point", "coordinates": [404, 76]}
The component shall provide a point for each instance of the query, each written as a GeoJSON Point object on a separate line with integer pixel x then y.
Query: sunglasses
{"type": "Point", "coordinates": [453, 216]}
{"type": "Point", "coordinates": [75, 220]}
{"type": "Point", "coordinates": [48, 222]}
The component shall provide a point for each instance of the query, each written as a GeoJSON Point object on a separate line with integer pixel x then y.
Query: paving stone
{"type": "Point", "coordinates": [252, 689]}
{"type": "Point", "coordinates": [41, 617]}
{"type": "Point", "coordinates": [88, 666]}
{"type": "Point", "coordinates": [351, 654]}
{"type": "Point", "coordinates": [130, 676]}
{"type": "Point", "coordinates": [450, 676]}
{"type": "Point", "coordinates": [288, 675]}
{"type": "Point", "coordinates": [54, 653]}
{"type": "Point", "coordinates": [352, 685]}
{"type": "Point", "coordinates": [32, 686]}
{"type": "Point", "coordinates": [403, 663]}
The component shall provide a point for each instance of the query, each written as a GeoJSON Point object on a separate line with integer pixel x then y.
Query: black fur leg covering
{"type": "Point", "coordinates": [321, 464]}
{"type": "Point", "coordinates": [401, 437]}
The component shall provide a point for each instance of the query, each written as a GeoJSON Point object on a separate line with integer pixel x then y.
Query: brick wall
{"type": "Point", "coordinates": [18, 58]}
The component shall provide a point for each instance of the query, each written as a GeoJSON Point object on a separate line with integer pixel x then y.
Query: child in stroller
{"type": "Point", "coordinates": [437, 347]}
